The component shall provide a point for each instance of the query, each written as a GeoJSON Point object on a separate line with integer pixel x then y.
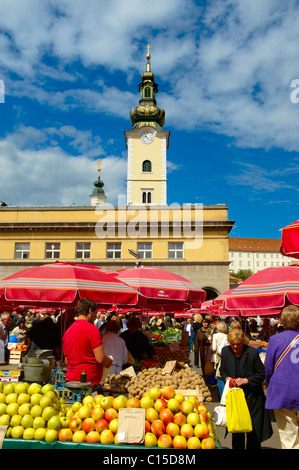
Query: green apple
{"type": "Point", "coordinates": [46, 388]}
{"type": "Point", "coordinates": [48, 412]}
{"type": "Point", "coordinates": [15, 420]}
{"type": "Point", "coordinates": [64, 421]}
{"type": "Point", "coordinates": [3, 408]}
{"type": "Point", "coordinates": [27, 421]}
{"type": "Point", "coordinates": [24, 409]}
{"type": "Point", "coordinates": [4, 420]}
{"type": "Point", "coordinates": [28, 433]}
{"type": "Point", "coordinates": [8, 388]}
{"type": "Point", "coordinates": [54, 423]}
{"type": "Point", "coordinates": [23, 398]}
{"type": "Point", "coordinates": [35, 398]}
{"type": "Point", "coordinates": [51, 394]}
{"type": "Point", "coordinates": [2, 397]}
{"type": "Point", "coordinates": [21, 387]}
{"type": "Point", "coordinates": [12, 409]}
{"type": "Point", "coordinates": [39, 434]}
{"type": "Point", "coordinates": [17, 432]}
{"type": "Point", "coordinates": [11, 398]}
{"type": "Point", "coordinates": [36, 410]}
{"type": "Point", "coordinates": [34, 388]}
{"type": "Point", "coordinates": [45, 401]}
{"type": "Point", "coordinates": [39, 422]}
{"type": "Point", "coordinates": [51, 435]}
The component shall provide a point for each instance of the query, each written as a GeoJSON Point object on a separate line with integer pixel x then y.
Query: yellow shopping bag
{"type": "Point", "coordinates": [237, 413]}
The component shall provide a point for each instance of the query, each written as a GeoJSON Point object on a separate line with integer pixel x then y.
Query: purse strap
{"type": "Point", "coordinates": [285, 352]}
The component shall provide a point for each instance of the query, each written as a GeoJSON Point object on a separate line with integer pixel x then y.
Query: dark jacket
{"type": "Point", "coordinates": [251, 368]}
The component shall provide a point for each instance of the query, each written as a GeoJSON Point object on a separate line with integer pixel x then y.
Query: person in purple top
{"type": "Point", "coordinates": [282, 378]}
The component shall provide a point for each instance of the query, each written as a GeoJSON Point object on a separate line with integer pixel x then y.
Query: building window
{"type": "Point", "coordinates": [145, 250]}
{"type": "Point", "coordinates": [83, 250]}
{"type": "Point", "coordinates": [52, 250]}
{"type": "Point", "coordinates": [22, 250]}
{"type": "Point", "coordinates": [175, 250]}
{"type": "Point", "coordinates": [146, 166]}
{"type": "Point", "coordinates": [113, 250]}
{"type": "Point", "coordinates": [147, 197]}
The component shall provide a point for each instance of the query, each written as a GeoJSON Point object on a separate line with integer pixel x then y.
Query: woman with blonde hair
{"type": "Point", "coordinates": [217, 339]}
{"type": "Point", "coordinates": [241, 364]}
{"type": "Point", "coordinates": [282, 378]}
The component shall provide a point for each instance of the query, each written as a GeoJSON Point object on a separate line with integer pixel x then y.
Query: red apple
{"type": "Point", "coordinates": [107, 437]}
{"type": "Point", "coordinates": [172, 429]}
{"type": "Point", "coordinates": [147, 426]}
{"type": "Point", "coordinates": [201, 431]}
{"type": "Point", "coordinates": [97, 412]}
{"type": "Point", "coordinates": [166, 415]}
{"type": "Point", "coordinates": [203, 417]}
{"type": "Point", "coordinates": [101, 424]}
{"type": "Point", "coordinates": [79, 436]}
{"type": "Point", "coordinates": [158, 427]}
{"type": "Point", "coordinates": [202, 407]}
{"type": "Point", "coordinates": [193, 400]}
{"type": "Point", "coordinates": [165, 441]}
{"type": "Point", "coordinates": [75, 423]}
{"type": "Point", "coordinates": [65, 434]}
{"type": "Point", "coordinates": [179, 418]}
{"type": "Point", "coordinates": [208, 443]}
{"type": "Point", "coordinates": [160, 404]}
{"type": "Point", "coordinates": [88, 425]}
{"type": "Point", "coordinates": [110, 414]}
{"type": "Point", "coordinates": [179, 442]}
{"type": "Point", "coordinates": [187, 430]}
{"type": "Point", "coordinates": [193, 443]}
{"type": "Point", "coordinates": [93, 437]}
{"type": "Point", "coordinates": [133, 403]}
{"type": "Point", "coordinates": [168, 392]}
{"type": "Point", "coordinates": [151, 414]}
{"type": "Point", "coordinates": [150, 440]}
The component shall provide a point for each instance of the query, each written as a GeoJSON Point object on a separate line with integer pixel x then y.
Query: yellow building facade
{"type": "Point", "coordinates": [191, 240]}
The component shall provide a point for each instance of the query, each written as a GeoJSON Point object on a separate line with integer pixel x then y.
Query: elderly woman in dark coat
{"type": "Point", "coordinates": [241, 363]}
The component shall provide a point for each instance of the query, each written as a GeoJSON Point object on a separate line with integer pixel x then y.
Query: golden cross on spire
{"type": "Point", "coordinates": [148, 56]}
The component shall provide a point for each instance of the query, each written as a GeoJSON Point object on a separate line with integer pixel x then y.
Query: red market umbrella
{"type": "Point", "coordinates": [162, 288]}
{"type": "Point", "coordinates": [290, 240]}
{"type": "Point", "coordinates": [63, 284]}
{"type": "Point", "coordinates": [271, 288]}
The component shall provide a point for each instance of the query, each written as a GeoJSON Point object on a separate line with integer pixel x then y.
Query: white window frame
{"type": "Point", "coordinates": [22, 250]}
{"type": "Point", "coordinates": [145, 250]}
{"type": "Point", "coordinates": [113, 248]}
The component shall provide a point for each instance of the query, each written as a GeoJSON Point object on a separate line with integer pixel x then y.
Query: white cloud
{"type": "Point", "coordinates": [30, 174]}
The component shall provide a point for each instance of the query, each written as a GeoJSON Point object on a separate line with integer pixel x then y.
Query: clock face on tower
{"type": "Point", "coordinates": [147, 137]}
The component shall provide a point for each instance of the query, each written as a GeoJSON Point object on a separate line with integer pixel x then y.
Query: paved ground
{"type": "Point", "coordinates": [225, 442]}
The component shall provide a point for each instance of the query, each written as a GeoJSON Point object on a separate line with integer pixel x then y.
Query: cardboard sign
{"type": "Point", "coordinates": [170, 367]}
{"type": "Point", "coordinates": [128, 372]}
{"type": "Point", "coordinates": [131, 426]}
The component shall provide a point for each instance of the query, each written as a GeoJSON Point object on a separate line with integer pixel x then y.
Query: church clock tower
{"type": "Point", "coordinates": [147, 144]}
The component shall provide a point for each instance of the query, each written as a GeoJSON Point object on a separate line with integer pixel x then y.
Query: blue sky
{"type": "Point", "coordinates": [225, 70]}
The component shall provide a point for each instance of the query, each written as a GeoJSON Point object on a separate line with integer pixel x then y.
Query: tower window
{"type": "Point", "coordinates": [146, 197]}
{"type": "Point", "coordinates": [147, 166]}
{"type": "Point", "coordinates": [147, 92]}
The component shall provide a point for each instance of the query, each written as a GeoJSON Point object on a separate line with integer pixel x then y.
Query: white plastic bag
{"type": "Point", "coordinates": [219, 412]}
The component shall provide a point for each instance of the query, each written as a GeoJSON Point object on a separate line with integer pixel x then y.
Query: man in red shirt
{"type": "Point", "coordinates": [83, 347]}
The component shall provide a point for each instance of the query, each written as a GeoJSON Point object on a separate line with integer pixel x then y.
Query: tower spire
{"type": "Point", "coordinates": [147, 111]}
{"type": "Point", "coordinates": [98, 194]}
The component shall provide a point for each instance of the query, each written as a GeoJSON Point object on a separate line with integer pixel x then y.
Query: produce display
{"type": "Point", "coordinates": [146, 379]}
{"type": "Point", "coordinates": [32, 411]}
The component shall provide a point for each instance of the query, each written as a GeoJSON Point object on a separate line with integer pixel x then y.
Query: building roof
{"type": "Point", "coordinates": [268, 245]}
